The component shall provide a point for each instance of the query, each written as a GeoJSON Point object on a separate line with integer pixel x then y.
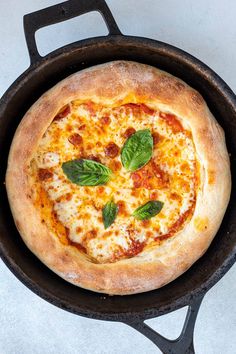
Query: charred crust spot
{"type": "Point", "coordinates": [75, 139]}
{"type": "Point", "coordinates": [64, 258]}
{"type": "Point", "coordinates": [204, 131]}
{"type": "Point", "coordinates": [112, 150]}
{"type": "Point", "coordinates": [179, 85]}
{"type": "Point", "coordinates": [197, 98]}
{"type": "Point", "coordinates": [44, 174]}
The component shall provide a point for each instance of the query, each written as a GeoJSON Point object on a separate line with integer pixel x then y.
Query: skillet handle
{"type": "Point", "coordinates": [61, 12]}
{"type": "Point", "coordinates": [184, 343]}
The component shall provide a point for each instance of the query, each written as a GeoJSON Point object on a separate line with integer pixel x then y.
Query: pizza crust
{"type": "Point", "coordinates": [113, 84]}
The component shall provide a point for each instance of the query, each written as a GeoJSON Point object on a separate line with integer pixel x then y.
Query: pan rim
{"type": "Point", "coordinates": [184, 300]}
{"type": "Point", "coordinates": [128, 40]}
{"type": "Point", "coordinates": [141, 315]}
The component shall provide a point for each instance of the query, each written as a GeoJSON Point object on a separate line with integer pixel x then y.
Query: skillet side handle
{"type": "Point", "coordinates": [184, 343]}
{"type": "Point", "coordinates": [61, 12]}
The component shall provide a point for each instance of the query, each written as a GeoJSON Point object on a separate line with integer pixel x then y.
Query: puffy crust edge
{"type": "Point", "coordinates": [113, 84]}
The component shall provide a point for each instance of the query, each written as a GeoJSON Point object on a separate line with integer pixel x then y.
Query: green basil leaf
{"type": "Point", "coordinates": [86, 172]}
{"type": "Point", "coordinates": [148, 210]}
{"type": "Point", "coordinates": [109, 213]}
{"type": "Point", "coordinates": [137, 150]}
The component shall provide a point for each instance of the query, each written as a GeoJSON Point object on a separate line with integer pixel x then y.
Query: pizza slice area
{"type": "Point", "coordinates": [96, 133]}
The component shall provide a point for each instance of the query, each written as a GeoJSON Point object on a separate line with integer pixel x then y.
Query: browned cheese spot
{"type": "Point", "coordinates": [75, 139]}
{"type": "Point", "coordinates": [44, 174]}
{"type": "Point", "coordinates": [112, 150]}
{"type": "Point", "coordinates": [129, 131]}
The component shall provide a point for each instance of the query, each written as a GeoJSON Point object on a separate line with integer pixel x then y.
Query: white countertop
{"type": "Point", "coordinates": [30, 325]}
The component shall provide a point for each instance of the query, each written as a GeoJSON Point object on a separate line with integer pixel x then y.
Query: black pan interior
{"type": "Point", "coordinates": [23, 93]}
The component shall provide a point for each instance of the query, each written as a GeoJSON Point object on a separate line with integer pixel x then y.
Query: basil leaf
{"type": "Point", "coordinates": [109, 213]}
{"type": "Point", "coordinates": [86, 172]}
{"type": "Point", "coordinates": [137, 150]}
{"type": "Point", "coordinates": [148, 210]}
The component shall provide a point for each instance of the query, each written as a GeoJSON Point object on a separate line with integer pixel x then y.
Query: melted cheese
{"type": "Point", "coordinates": [79, 209]}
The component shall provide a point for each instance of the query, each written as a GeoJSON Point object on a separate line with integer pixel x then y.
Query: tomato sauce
{"type": "Point", "coordinates": [139, 107]}
{"type": "Point", "coordinates": [78, 246]}
{"type": "Point", "coordinates": [172, 121]}
{"type": "Point", "coordinates": [135, 248]}
{"type": "Point", "coordinates": [177, 225]}
{"type": "Point", "coordinates": [91, 107]}
{"type": "Point", "coordinates": [63, 112]}
{"type": "Point", "coordinates": [150, 176]}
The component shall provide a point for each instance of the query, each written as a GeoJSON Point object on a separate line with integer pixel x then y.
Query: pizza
{"type": "Point", "coordinates": [118, 178]}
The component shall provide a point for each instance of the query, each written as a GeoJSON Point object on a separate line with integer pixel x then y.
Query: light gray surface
{"type": "Point", "coordinates": [29, 325]}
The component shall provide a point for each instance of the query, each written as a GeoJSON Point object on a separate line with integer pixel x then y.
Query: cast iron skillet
{"type": "Point", "coordinates": [43, 73]}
